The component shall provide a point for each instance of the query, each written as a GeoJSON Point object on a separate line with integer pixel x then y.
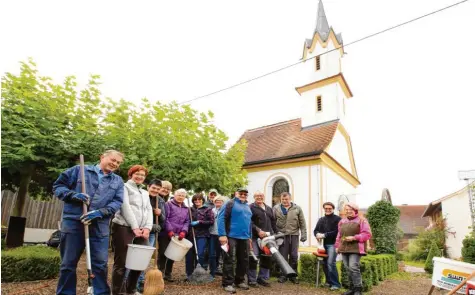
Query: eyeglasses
{"type": "Point", "coordinates": [328, 208]}
{"type": "Point", "coordinates": [139, 175]}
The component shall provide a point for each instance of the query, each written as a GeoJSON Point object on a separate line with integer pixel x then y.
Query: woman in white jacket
{"type": "Point", "coordinates": [131, 224]}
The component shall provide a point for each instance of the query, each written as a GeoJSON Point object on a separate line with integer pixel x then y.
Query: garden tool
{"type": "Point", "coordinates": [270, 244]}
{"type": "Point", "coordinates": [154, 283]}
{"type": "Point", "coordinates": [90, 275]}
{"type": "Point", "coordinates": [320, 254]}
{"type": "Point", "coordinates": [199, 275]}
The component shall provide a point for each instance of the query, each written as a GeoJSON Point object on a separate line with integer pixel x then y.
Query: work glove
{"type": "Point", "coordinates": [303, 239]}
{"type": "Point", "coordinates": [156, 228]}
{"type": "Point", "coordinates": [195, 223]}
{"type": "Point", "coordinates": [320, 236]}
{"type": "Point", "coordinates": [171, 234]}
{"type": "Point", "coordinates": [266, 250]}
{"type": "Point", "coordinates": [181, 236]}
{"type": "Point", "coordinates": [90, 216]}
{"type": "Point", "coordinates": [80, 197]}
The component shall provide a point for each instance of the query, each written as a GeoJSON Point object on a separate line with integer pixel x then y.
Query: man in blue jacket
{"type": "Point", "coordinates": [234, 230]}
{"type": "Point", "coordinates": [104, 195]}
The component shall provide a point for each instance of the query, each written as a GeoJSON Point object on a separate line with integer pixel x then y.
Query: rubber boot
{"type": "Point", "coordinates": [357, 291]}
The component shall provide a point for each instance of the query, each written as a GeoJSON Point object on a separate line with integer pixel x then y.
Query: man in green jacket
{"type": "Point", "coordinates": [290, 221]}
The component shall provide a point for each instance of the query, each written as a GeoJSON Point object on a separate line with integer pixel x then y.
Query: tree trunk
{"type": "Point", "coordinates": [23, 190]}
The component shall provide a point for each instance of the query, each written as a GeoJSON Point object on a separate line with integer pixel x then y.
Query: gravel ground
{"type": "Point", "coordinates": [400, 284]}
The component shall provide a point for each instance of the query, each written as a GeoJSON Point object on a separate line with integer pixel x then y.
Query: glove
{"type": "Point", "coordinates": [90, 216]}
{"type": "Point", "coordinates": [181, 236]}
{"type": "Point", "coordinates": [171, 234]}
{"type": "Point", "coordinates": [80, 197]}
{"type": "Point", "coordinates": [195, 223]}
{"type": "Point", "coordinates": [320, 236]}
{"type": "Point", "coordinates": [156, 228]}
{"type": "Point", "coordinates": [266, 250]}
{"type": "Point", "coordinates": [303, 239]}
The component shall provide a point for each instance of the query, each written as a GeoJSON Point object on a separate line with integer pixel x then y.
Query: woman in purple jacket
{"type": "Point", "coordinates": [176, 224]}
{"type": "Point", "coordinates": [203, 218]}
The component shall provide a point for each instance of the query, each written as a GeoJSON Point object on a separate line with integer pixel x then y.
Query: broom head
{"type": "Point", "coordinates": [154, 284]}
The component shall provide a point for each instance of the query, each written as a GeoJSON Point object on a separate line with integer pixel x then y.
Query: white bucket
{"type": "Point", "coordinates": [138, 256]}
{"type": "Point", "coordinates": [177, 249]}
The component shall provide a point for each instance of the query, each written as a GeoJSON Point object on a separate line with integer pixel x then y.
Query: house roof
{"type": "Point", "coordinates": [287, 140]}
{"type": "Point", "coordinates": [438, 203]}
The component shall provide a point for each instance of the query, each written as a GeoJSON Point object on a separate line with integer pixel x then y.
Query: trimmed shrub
{"type": "Point", "coordinates": [4, 244]}
{"type": "Point", "coordinates": [383, 218]}
{"type": "Point", "coordinates": [366, 274]}
{"type": "Point", "coordinates": [433, 252]}
{"type": "Point", "coordinates": [375, 269]}
{"type": "Point", "coordinates": [29, 263]}
{"type": "Point", "coordinates": [345, 282]}
{"type": "Point", "coordinates": [468, 249]}
{"type": "Point", "coordinates": [308, 269]}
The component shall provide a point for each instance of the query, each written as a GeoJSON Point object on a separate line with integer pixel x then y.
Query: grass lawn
{"type": "Point", "coordinates": [414, 263]}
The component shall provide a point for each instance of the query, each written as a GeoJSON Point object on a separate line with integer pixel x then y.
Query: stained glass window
{"type": "Point", "coordinates": [280, 186]}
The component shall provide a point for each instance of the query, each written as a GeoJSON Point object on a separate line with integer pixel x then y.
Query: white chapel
{"type": "Point", "coordinates": [311, 156]}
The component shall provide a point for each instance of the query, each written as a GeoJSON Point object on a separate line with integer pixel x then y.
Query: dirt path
{"type": "Point", "coordinates": [401, 283]}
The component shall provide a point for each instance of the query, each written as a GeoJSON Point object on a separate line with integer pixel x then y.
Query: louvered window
{"type": "Point", "coordinates": [317, 62]}
{"type": "Point", "coordinates": [319, 103]}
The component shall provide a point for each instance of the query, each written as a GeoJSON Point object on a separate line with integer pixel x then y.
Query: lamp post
{"type": "Point", "coordinates": [469, 177]}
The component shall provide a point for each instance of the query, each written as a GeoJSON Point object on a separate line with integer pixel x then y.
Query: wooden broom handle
{"type": "Point", "coordinates": [156, 234]}
{"type": "Point", "coordinates": [461, 284]}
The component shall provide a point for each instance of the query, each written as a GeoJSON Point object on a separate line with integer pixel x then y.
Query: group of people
{"type": "Point", "coordinates": [226, 230]}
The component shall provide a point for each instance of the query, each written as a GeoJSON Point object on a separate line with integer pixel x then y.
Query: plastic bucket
{"type": "Point", "coordinates": [138, 256]}
{"type": "Point", "coordinates": [177, 249]}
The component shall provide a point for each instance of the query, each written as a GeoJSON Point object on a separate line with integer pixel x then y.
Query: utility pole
{"type": "Point", "coordinates": [469, 177]}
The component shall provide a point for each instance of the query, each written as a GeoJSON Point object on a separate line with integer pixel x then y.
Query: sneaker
{"type": "Point", "coordinates": [168, 279]}
{"type": "Point", "coordinates": [327, 285]}
{"type": "Point", "coordinates": [334, 288]}
{"type": "Point", "coordinates": [253, 285]}
{"type": "Point", "coordinates": [243, 286]}
{"type": "Point", "coordinates": [282, 280]}
{"type": "Point", "coordinates": [294, 280]}
{"type": "Point", "coordinates": [230, 289]}
{"type": "Point", "coordinates": [263, 282]}
{"type": "Point", "coordinates": [138, 293]}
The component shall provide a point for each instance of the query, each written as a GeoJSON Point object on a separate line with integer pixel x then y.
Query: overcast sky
{"type": "Point", "coordinates": [411, 119]}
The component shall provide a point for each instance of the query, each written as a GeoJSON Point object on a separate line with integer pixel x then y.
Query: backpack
{"type": "Point", "coordinates": [227, 215]}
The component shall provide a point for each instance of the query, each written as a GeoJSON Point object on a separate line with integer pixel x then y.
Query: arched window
{"type": "Point", "coordinates": [280, 186]}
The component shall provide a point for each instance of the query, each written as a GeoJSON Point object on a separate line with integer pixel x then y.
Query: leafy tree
{"type": "Point", "coordinates": [44, 127]}
{"type": "Point", "coordinates": [434, 251]}
{"type": "Point", "coordinates": [468, 249]}
{"type": "Point", "coordinates": [383, 218]}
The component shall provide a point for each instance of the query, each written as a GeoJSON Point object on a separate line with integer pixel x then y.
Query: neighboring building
{"type": "Point", "coordinates": [455, 208]}
{"type": "Point", "coordinates": [311, 157]}
{"type": "Point", "coordinates": [411, 222]}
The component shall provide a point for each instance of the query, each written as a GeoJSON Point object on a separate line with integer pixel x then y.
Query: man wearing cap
{"type": "Point", "coordinates": [211, 195]}
{"type": "Point", "coordinates": [327, 229]}
{"type": "Point", "coordinates": [234, 230]}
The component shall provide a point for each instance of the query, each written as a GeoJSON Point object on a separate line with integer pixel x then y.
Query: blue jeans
{"type": "Point", "coordinates": [352, 264]}
{"type": "Point", "coordinates": [214, 254]}
{"type": "Point", "coordinates": [201, 243]}
{"type": "Point", "coordinates": [71, 247]}
{"type": "Point", "coordinates": [151, 242]}
{"type": "Point", "coordinates": [329, 267]}
{"type": "Point", "coordinates": [252, 275]}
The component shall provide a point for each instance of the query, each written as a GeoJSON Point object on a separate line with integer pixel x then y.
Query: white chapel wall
{"type": "Point", "coordinates": [339, 150]}
{"type": "Point", "coordinates": [456, 210]}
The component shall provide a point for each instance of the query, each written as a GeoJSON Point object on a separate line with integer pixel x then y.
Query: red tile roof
{"type": "Point", "coordinates": [287, 140]}
{"type": "Point", "coordinates": [410, 219]}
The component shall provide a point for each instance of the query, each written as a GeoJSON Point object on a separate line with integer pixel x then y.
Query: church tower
{"type": "Point", "coordinates": [325, 91]}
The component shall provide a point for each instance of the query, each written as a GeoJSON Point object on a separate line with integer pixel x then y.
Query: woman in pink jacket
{"type": "Point", "coordinates": [353, 232]}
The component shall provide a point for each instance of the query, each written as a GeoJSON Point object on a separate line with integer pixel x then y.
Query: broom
{"type": "Point", "coordinates": [154, 284]}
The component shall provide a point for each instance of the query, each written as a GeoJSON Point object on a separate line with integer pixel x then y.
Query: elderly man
{"type": "Point", "coordinates": [211, 195]}
{"type": "Point", "coordinates": [263, 225]}
{"type": "Point", "coordinates": [290, 220]}
{"type": "Point", "coordinates": [234, 230]}
{"type": "Point", "coordinates": [104, 196]}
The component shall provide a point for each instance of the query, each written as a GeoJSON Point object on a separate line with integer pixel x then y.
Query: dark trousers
{"type": "Point", "coordinates": [165, 265]}
{"type": "Point", "coordinates": [71, 247]}
{"type": "Point", "coordinates": [352, 264]}
{"type": "Point", "coordinates": [214, 254]}
{"type": "Point", "coordinates": [121, 236]}
{"type": "Point", "coordinates": [201, 243]}
{"type": "Point", "coordinates": [290, 250]}
{"type": "Point", "coordinates": [238, 254]}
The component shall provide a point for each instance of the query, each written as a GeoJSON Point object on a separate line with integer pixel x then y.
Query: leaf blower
{"type": "Point", "coordinates": [270, 246]}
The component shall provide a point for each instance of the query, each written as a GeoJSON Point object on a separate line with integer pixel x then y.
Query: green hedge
{"type": "Point", "coordinates": [29, 263]}
{"type": "Point", "coordinates": [308, 269]}
{"type": "Point", "coordinates": [374, 268]}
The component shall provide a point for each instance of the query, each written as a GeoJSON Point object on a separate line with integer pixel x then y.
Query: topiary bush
{"type": "Point", "coordinates": [383, 218]}
{"type": "Point", "coordinates": [468, 248]}
{"type": "Point", "coordinates": [30, 263]}
{"type": "Point", "coordinates": [308, 269]}
{"type": "Point", "coordinates": [433, 252]}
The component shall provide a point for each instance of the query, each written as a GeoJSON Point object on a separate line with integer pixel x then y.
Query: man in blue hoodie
{"type": "Point", "coordinates": [234, 230]}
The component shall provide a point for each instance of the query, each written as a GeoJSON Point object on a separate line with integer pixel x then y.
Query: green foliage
{"type": "Point", "coordinates": [383, 218]}
{"type": "Point", "coordinates": [30, 263]}
{"type": "Point", "coordinates": [308, 269]}
{"type": "Point", "coordinates": [374, 268]}
{"type": "Point", "coordinates": [433, 252]}
{"type": "Point", "coordinates": [419, 248]}
{"type": "Point", "coordinates": [4, 244]}
{"type": "Point", "coordinates": [468, 248]}
{"type": "Point", "coordinates": [45, 126]}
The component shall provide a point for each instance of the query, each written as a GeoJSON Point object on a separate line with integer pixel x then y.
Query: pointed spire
{"type": "Point", "coordinates": [322, 26]}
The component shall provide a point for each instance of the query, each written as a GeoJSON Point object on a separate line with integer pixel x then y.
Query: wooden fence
{"type": "Point", "coordinates": [39, 214]}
